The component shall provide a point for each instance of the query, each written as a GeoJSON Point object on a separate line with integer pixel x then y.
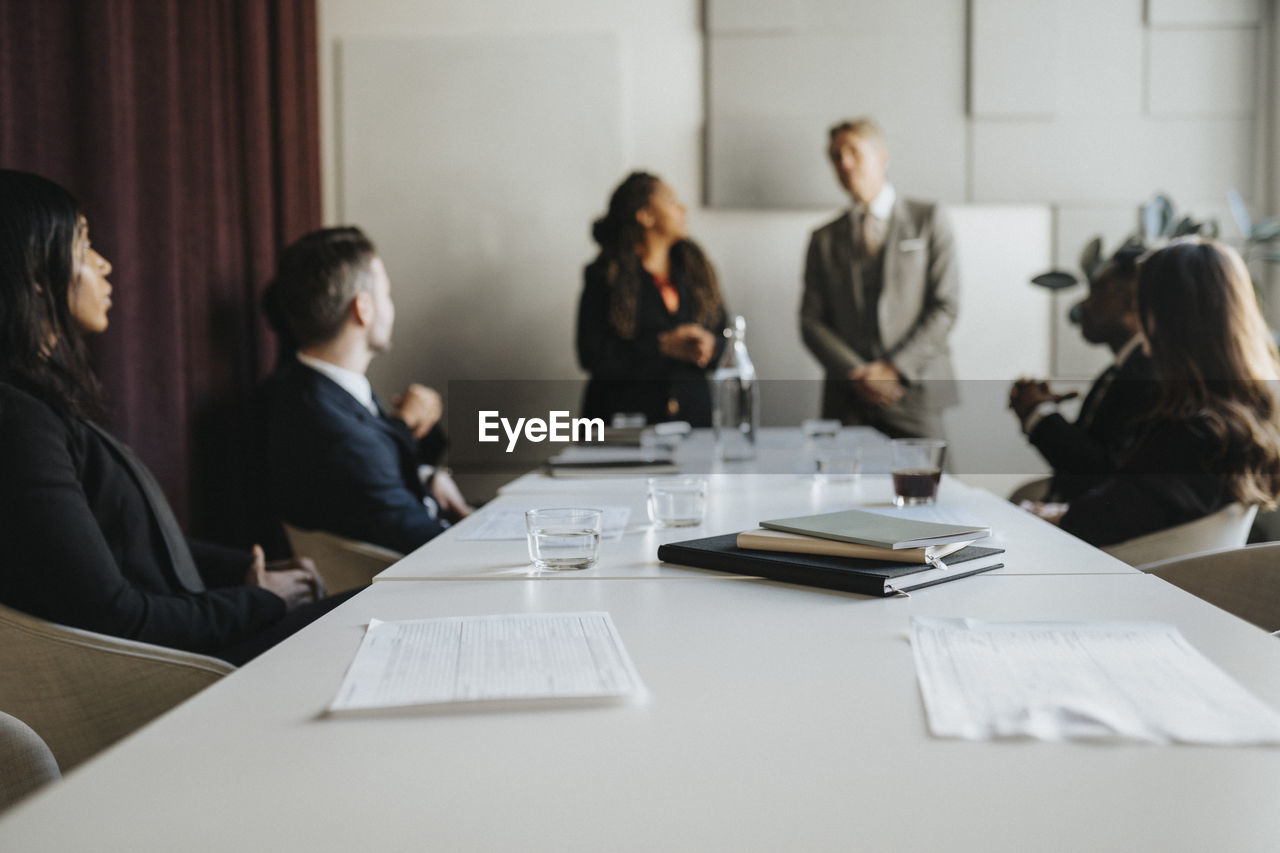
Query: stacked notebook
{"type": "Point", "coordinates": [854, 551]}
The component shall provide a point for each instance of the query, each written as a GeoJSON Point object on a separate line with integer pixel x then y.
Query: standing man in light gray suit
{"type": "Point", "coordinates": [880, 297]}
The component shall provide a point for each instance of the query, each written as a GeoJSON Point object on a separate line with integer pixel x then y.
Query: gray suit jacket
{"type": "Point", "coordinates": [915, 312]}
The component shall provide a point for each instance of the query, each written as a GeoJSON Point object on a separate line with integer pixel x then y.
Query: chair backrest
{"type": "Point", "coordinates": [82, 691]}
{"type": "Point", "coordinates": [25, 761]}
{"type": "Point", "coordinates": [1244, 581]}
{"type": "Point", "coordinates": [343, 563]}
{"type": "Point", "coordinates": [1226, 528]}
{"type": "Point", "coordinates": [1031, 490]}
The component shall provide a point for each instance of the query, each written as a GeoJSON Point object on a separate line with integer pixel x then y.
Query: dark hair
{"type": "Point", "coordinates": [618, 234]}
{"type": "Point", "coordinates": [1119, 274]}
{"type": "Point", "coordinates": [317, 277]}
{"type": "Point", "coordinates": [1123, 264]}
{"type": "Point", "coordinates": [41, 349]}
{"type": "Point", "coordinates": [1214, 356]}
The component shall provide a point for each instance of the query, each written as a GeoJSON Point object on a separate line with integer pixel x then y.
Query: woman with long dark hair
{"type": "Point", "coordinates": [651, 318]}
{"type": "Point", "coordinates": [1213, 437]}
{"type": "Point", "coordinates": [86, 537]}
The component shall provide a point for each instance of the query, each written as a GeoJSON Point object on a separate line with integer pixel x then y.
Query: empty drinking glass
{"type": "Point", "coordinates": [677, 501]}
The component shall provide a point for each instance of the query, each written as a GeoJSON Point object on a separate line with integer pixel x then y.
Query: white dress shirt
{"type": "Point", "coordinates": [881, 208]}
{"type": "Point", "coordinates": [355, 384]}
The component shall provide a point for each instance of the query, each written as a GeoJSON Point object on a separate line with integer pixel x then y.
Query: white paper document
{"type": "Point", "coordinates": [493, 523]}
{"type": "Point", "coordinates": [1059, 681]}
{"type": "Point", "coordinates": [524, 656]}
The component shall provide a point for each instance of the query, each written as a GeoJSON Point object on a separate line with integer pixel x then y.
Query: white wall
{"type": "Point", "coordinates": [1090, 106]}
{"type": "Point", "coordinates": [486, 284]}
{"type": "Point", "coordinates": [1030, 214]}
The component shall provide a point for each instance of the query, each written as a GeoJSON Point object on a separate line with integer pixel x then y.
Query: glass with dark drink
{"type": "Point", "coordinates": [917, 470]}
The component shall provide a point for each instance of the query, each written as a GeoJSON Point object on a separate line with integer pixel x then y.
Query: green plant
{"type": "Point", "coordinates": [1260, 237]}
{"type": "Point", "coordinates": [1158, 222]}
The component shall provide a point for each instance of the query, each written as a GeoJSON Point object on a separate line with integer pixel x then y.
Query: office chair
{"type": "Point", "coordinates": [343, 563]}
{"type": "Point", "coordinates": [25, 761]}
{"type": "Point", "coordinates": [1226, 528]}
{"type": "Point", "coordinates": [1242, 581]}
{"type": "Point", "coordinates": [1031, 490]}
{"type": "Point", "coordinates": [82, 691]}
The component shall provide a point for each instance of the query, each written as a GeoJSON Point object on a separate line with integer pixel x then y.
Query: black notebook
{"type": "Point", "coordinates": [868, 577]}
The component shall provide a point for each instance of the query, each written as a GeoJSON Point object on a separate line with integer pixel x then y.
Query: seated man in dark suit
{"type": "Point", "coordinates": [1084, 452]}
{"type": "Point", "coordinates": [339, 461]}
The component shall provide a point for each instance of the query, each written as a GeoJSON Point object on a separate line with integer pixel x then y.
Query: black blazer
{"type": "Point", "coordinates": [334, 466]}
{"type": "Point", "coordinates": [1175, 474]}
{"type": "Point", "coordinates": [80, 544]}
{"type": "Point", "coordinates": [631, 375]}
{"type": "Point", "coordinates": [1083, 455]}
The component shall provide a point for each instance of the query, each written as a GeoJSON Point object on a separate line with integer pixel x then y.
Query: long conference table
{"type": "Point", "coordinates": [779, 717]}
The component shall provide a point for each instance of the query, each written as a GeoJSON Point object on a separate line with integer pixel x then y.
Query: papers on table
{"type": "Point", "coordinates": [600, 460]}
{"type": "Point", "coordinates": [525, 656]}
{"type": "Point", "coordinates": [602, 455]}
{"type": "Point", "coordinates": [495, 523]}
{"type": "Point", "coordinates": [1063, 680]}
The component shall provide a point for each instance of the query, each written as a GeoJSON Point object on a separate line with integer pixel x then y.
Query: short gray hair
{"type": "Point", "coordinates": [862, 127]}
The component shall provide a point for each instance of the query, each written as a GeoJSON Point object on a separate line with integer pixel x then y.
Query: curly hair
{"type": "Point", "coordinates": [618, 233]}
{"type": "Point", "coordinates": [1215, 358]}
{"type": "Point", "coordinates": [41, 348]}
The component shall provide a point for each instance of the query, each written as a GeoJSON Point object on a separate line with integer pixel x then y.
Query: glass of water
{"type": "Point", "coordinates": [677, 501]}
{"type": "Point", "coordinates": [564, 538]}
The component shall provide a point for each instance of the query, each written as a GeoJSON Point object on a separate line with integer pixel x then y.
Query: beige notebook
{"type": "Point", "coordinates": [794, 543]}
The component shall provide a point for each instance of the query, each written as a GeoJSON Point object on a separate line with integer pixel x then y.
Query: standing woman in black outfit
{"type": "Point", "coordinates": [1213, 437]}
{"type": "Point", "coordinates": [86, 537]}
{"type": "Point", "coordinates": [651, 319]}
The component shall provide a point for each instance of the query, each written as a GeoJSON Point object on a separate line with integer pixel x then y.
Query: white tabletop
{"type": "Point", "coordinates": [737, 502]}
{"type": "Point", "coordinates": [780, 718]}
{"type": "Point", "coordinates": [779, 450]}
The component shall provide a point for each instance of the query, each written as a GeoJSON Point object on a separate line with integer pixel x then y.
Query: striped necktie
{"type": "Point", "coordinates": [873, 231]}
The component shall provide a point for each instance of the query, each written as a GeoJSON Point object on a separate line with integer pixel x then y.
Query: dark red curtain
{"type": "Point", "coordinates": [189, 129]}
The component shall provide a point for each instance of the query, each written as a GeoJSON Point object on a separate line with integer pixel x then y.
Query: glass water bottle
{"type": "Point", "coordinates": [735, 413]}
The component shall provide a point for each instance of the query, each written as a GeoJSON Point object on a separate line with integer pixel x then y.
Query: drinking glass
{"type": "Point", "coordinates": [564, 538]}
{"type": "Point", "coordinates": [677, 501]}
{"type": "Point", "coordinates": [917, 470]}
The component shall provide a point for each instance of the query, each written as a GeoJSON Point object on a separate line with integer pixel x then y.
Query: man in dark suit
{"type": "Point", "coordinates": [880, 297]}
{"type": "Point", "coordinates": [338, 460]}
{"type": "Point", "coordinates": [1085, 451]}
